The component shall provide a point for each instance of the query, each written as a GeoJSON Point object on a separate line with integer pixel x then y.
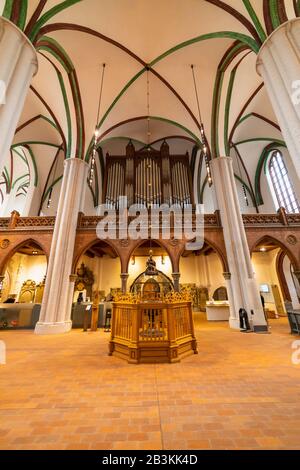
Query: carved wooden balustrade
{"type": "Point", "coordinates": [153, 331]}
{"type": "Point", "coordinates": [16, 222]}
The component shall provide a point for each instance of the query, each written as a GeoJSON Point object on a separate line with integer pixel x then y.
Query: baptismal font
{"type": "Point", "coordinates": [152, 323]}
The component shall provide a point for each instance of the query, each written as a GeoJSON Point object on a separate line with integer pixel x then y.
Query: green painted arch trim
{"type": "Point", "coordinates": [19, 178]}
{"type": "Point", "coordinates": [201, 196]}
{"type": "Point", "coordinates": [51, 186]}
{"type": "Point", "coordinates": [24, 158]}
{"type": "Point", "coordinates": [22, 15]}
{"type": "Point", "coordinates": [52, 123]}
{"type": "Point", "coordinates": [273, 8]}
{"type": "Point", "coordinates": [181, 126]}
{"type": "Point", "coordinates": [80, 118]}
{"type": "Point", "coordinates": [260, 165]}
{"type": "Point", "coordinates": [256, 116]}
{"type": "Point", "coordinates": [158, 118]}
{"type": "Point", "coordinates": [7, 178]}
{"type": "Point", "coordinates": [227, 110]}
{"type": "Point", "coordinates": [65, 60]}
{"type": "Point", "coordinates": [63, 91]}
{"type": "Point", "coordinates": [7, 9]}
{"type": "Point", "coordinates": [61, 55]}
{"type": "Point", "coordinates": [20, 155]}
{"type": "Point", "coordinates": [231, 53]}
{"type": "Point", "coordinates": [35, 142]}
{"type": "Point", "coordinates": [48, 15]}
{"type": "Point", "coordinates": [68, 113]}
{"type": "Point", "coordinates": [258, 26]}
{"type": "Point", "coordinates": [260, 139]}
{"type": "Point", "coordinates": [243, 38]}
{"type": "Point", "coordinates": [228, 104]}
{"type": "Point", "coordinates": [215, 115]}
{"type": "Point", "coordinates": [121, 137]}
{"type": "Point", "coordinates": [33, 159]}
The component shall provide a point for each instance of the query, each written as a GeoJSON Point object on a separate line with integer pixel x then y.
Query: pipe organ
{"type": "Point", "coordinates": [148, 177]}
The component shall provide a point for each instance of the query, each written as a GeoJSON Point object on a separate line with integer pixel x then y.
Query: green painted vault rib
{"type": "Point", "coordinates": [49, 15]}
{"type": "Point", "coordinates": [22, 15]}
{"type": "Point", "coordinates": [273, 8]}
{"type": "Point", "coordinates": [231, 53]}
{"type": "Point", "coordinates": [155, 118]}
{"type": "Point", "coordinates": [51, 186]}
{"type": "Point", "coordinates": [255, 20]}
{"type": "Point", "coordinates": [19, 179]}
{"type": "Point", "coordinates": [227, 109]}
{"type": "Point", "coordinates": [7, 9]}
{"type": "Point", "coordinates": [244, 40]}
{"type": "Point", "coordinates": [51, 46]}
{"type": "Point", "coordinates": [260, 139]}
{"type": "Point", "coordinates": [201, 196]}
{"type": "Point", "coordinates": [35, 142]}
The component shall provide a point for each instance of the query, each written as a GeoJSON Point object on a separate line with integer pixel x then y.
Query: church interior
{"type": "Point", "coordinates": [109, 110]}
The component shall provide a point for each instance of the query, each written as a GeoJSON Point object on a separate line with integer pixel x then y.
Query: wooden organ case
{"type": "Point", "coordinates": [148, 177]}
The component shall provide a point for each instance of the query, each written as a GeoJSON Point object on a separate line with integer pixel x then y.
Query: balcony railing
{"type": "Point", "coordinates": [15, 222]}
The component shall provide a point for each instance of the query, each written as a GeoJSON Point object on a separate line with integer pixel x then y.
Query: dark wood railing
{"type": "Point", "coordinates": [87, 222]}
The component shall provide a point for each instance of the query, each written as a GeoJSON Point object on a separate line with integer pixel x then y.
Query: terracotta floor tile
{"type": "Point", "coordinates": [239, 392]}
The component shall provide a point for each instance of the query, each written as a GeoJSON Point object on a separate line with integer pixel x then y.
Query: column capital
{"type": "Point", "coordinates": [75, 161]}
{"type": "Point", "coordinates": [5, 23]}
{"type": "Point", "coordinates": [287, 26]}
{"type": "Point", "coordinates": [227, 276]}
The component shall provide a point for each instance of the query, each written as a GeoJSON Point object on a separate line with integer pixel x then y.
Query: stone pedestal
{"type": "Point", "coordinates": [278, 63]}
{"type": "Point", "coordinates": [58, 294]}
{"type": "Point", "coordinates": [241, 285]}
{"type": "Point", "coordinates": [18, 64]}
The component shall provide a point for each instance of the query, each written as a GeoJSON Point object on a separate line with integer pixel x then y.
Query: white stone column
{"type": "Point", "coordinates": [241, 284]}
{"type": "Point", "coordinates": [57, 300]}
{"type": "Point", "coordinates": [18, 64]}
{"type": "Point", "coordinates": [278, 63]}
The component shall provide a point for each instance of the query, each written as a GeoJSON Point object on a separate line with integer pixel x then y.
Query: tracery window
{"type": "Point", "coordinates": [281, 183]}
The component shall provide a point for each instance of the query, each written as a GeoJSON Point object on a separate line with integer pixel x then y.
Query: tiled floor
{"type": "Point", "coordinates": [64, 392]}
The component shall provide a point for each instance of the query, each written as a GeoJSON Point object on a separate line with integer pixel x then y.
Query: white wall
{"type": "Point", "coordinates": [106, 272]}
{"type": "Point", "coordinates": [204, 271]}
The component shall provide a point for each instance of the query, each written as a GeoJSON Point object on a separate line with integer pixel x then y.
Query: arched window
{"type": "Point", "coordinates": [281, 183]}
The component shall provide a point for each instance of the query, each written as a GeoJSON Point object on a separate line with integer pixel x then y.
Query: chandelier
{"type": "Point", "coordinates": [96, 132]}
{"type": "Point", "coordinates": [205, 147]}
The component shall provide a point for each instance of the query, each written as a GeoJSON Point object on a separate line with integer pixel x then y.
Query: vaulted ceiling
{"type": "Point", "coordinates": [221, 38]}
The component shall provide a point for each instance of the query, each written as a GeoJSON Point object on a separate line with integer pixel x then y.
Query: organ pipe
{"type": "Point", "coordinates": [148, 178]}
